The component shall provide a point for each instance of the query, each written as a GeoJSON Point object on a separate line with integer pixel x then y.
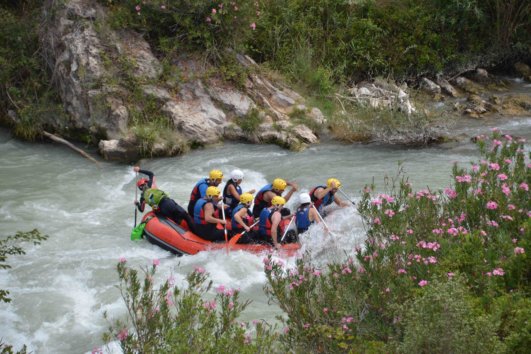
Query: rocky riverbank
{"type": "Point", "coordinates": [121, 95]}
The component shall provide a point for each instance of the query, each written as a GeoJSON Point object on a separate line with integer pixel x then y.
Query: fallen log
{"type": "Point", "coordinates": [70, 145]}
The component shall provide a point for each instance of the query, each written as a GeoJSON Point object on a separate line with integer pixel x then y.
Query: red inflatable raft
{"type": "Point", "coordinates": [179, 240]}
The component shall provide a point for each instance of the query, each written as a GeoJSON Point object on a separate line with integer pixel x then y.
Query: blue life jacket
{"type": "Point", "coordinates": [265, 222]}
{"type": "Point", "coordinates": [259, 202]}
{"type": "Point", "coordinates": [199, 211]}
{"type": "Point", "coordinates": [302, 218]}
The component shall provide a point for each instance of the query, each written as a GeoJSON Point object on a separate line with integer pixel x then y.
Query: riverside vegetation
{"type": "Point", "coordinates": [320, 47]}
{"type": "Point", "coordinates": [440, 271]}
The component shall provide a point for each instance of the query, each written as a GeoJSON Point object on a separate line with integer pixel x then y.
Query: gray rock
{"type": "Point", "coordinates": [429, 86]}
{"type": "Point", "coordinates": [467, 85]}
{"type": "Point", "coordinates": [305, 134]}
{"type": "Point", "coordinates": [524, 70]}
{"type": "Point", "coordinates": [447, 87]}
{"type": "Point", "coordinates": [233, 100]}
{"type": "Point", "coordinates": [118, 150]}
{"type": "Point", "coordinates": [159, 93]}
{"type": "Point", "coordinates": [317, 116]}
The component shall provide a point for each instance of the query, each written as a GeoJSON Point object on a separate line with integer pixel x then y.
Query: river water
{"type": "Point", "coordinates": [61, 288]}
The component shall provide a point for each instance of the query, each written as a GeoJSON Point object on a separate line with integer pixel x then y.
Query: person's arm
{"type": "Point", "coordinates": [275, 221]}
{"type": "Point", "coordinates": [151, 175]}
{"type": "Point", "coordinates": [293, 189]}
{"type": "Point", "coordinates": [340, 202]}
{"type": "Point", "coordinates": [314, 215]}
{"type": "Point", "coordinates": [268, 196]}
{"type": "Point", "coordinates": [209, 215]}
{"type": "Point", "coordinates": [233, 192]}
{"type": "Point", "coordinates": [140, 204]}
{"type": "Point", "coordinates": [238, 217]}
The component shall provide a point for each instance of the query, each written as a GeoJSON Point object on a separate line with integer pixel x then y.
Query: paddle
{"type": "Point", "coordinates": [287, 228]}
{"type": "Point", "coordinates": [346, 196]}
{"type": "Point", "coordinates": [237, 237]}
{"type": "Point", "coordinates": [224, 224]}
{"type": "Point", "coordinates": [321, 218]}
{"type": "Point", "coordinates": [136, 198]}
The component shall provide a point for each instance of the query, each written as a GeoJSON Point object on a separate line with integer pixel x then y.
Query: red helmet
{"type": "Point", "coordinates": [141, 182]}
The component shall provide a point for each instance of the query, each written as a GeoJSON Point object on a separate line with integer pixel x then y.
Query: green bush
{"type": "Point", "coordinates": [443, 320]}
{"type": "Point", "coordinates": [173, 320]}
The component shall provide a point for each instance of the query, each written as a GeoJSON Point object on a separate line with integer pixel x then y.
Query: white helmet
{"type": "Point", "coordinates": [304, 198]}
{"type": "Point", "coordinates": [236, 175]}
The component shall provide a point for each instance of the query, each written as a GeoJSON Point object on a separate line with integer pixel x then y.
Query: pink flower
{"type": "Point", "coordinates": [492, 223]}
{"type": "Point", "coordinates": [491, 205]}
{"type": "Point", "coordinates": [208, 19]}
{"type": "Point", "coordinates": [450, 193]}
{"type": "Point", "coordinates": [502, 177]}
{"type": "Point", "coordinates": [137, 8]}
{"type": "Point", "coordinates": [475, 168]}
{"type": "Point", "coordinates": [519, 250]}
{"type": "Point", "coordinates": [325, 310]}
{"type": "Point", "coordinates": [377, 221]}
{"type": "Point", "coordinates": [409, 232]}
{"type": "Point", "coordinates": [376, 202]}
{"type": "Point", "coordinates": [508, 161]}
{"type": "Point", "coordinates": [346, 270]}
{"type": "Point", "coordinates": [122, 260]}
{"type": "Point", "coordinates": [199, 270]}
{"type": "Point", "coordinates": [463, 179]}
{"type": "Point", "coordinates": [214, 11]}
{"type": "Point", "coordinates": [402, 271]}
{"type": "Point", "coordinates": [524, 186]}
{"type": "Point", "coordinates": [483, 233]}
{"type": "Point", "coordinates": [494, 166]}
{"type": "Point", "coordinates": [316, 273]}
{"type": "Point", "coordinates": [122, 335]}
{"type": "Point", "coordinates": [437, 231]}
{"type": "Point", "coordinates": [450, 275]}
{"type": "Point", "coordinates": [511, 207]}
{"type": "Point", "coordinates": [389, 213]}
{"type": "Point", "coordinates": [220, 289]}
{"type": "Point", "coordinates": [496, 142]}
{"type": "Point", "coordinates": [508, 137]}
{"type": "Point", "coordinates": [453, 231]}
{"type": "Point", "coordinates": [423, 283]}
{"type": "Point", "coordinates": [156, 262]}
{"type": "Point", "coordinates": [498, 272]}
{"type": "Point", "coordinates": [253, 26]}
{"type": "Point", "coordinates": [163, 7]}
{"type": "Point", "coordinates": [394, 237]}
{"type": "Point", "coordinates": [506, 190]}
{"type": "Point", "coordinates": [306, 325]}
{"type": "Point", "coordinates": [285, 330]}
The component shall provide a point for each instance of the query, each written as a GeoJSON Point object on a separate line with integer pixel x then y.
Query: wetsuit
{"type": "Point", "coordinates": [302, 218]}
{"type": "Point", "coordinates": [228, 198]}
{"type": "Point", "coordinates": [198, 192]}
{"type": "Point", "coordinates": [205, 229]}
{"type": "Point", "coordinates": [166, 207]}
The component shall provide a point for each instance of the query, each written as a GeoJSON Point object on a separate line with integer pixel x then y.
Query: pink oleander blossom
{"type": "Point", "coordinates": [409, 232]}
{"type": "Point", "coordinates": [450, 275]}
{"type": "Point", "coordinates": [511, 207]}
{"type": "Point", "coordinates": [377, 221]}
{"type": "Point", "coordinates": [199, 270]}
{"type": "Point", "coordinates": [402, 271]}
{"type": "Point", "coordinates": [214, 11]}
{"type": "Point", "coordinates": [494, 166]}
{"type": "Point", "coordinates": [453, 231]}
{"type": "Point", "coordinates": [122, 335]}
{"type": "Point", "coordinates": [502, 177]}
{"type": "Point", "coordinates": [156, 262]}
{"type": "Point", "coordinates": [492, 223]}
{"type": "Point", "coordinates": [423, 283]}
{"type": "Point", "coordinates": [475, 168]}
{"type": "Point", "coordinates": [491, 205]}
{"type": "Point", "coordinates": [524, 186]}
{"type": "Point", "coordinates": [498, 272]}
{"type": "Point", "coordinates": [390, 213]}
{"type": "Point", "coordinates": [463, 179]}
{"type": "Point", "coordinates": [451, 193]}
{"type": "Point", "coordinates": [122, 260]}
{"type": "Point", "coordinates": [506, 190]}
{"type": "Point", "coordinates": [138, 8]}
{"type": "Point", "coordinates": [253, 26]}
{"type": "Point", "coordinates": [519, 250]}
{"type": "Point", "coordinates": [496, 142]}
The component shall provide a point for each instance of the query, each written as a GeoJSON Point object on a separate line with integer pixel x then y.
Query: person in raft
{"type": "Point", "coordinates": [322, 196]}
{"type": "Point", "coordinates": [233, 191]}
{"type": "Point", "coordinates": [206, 216]}
{"type": "Point", "coordinates": [242, 218]}
{"type": "Point", "coordinates": [214, 179]}
{"type": "Point", "coordinates": [268, 192]}
{"type": "Point", "coordinates": [269, 226]}
{"type": "Point", "coordinates": [305, 214]}
{"type": "Point", "coordinates": [159, 201]}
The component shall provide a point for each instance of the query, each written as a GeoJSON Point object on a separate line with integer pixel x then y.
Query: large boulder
{"type": "Point", "coordinates": [524, 70]}
{"type": "Point", "coordinates": [429, 86]}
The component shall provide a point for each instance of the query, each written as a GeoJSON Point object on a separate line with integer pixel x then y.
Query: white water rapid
{"type": "Point", "coordinates": [61, 288]}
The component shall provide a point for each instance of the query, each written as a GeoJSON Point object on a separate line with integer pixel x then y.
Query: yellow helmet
{"type": "Point", "coordinates": [278, 201]}
{"type": "Point", "coordinates": [279, 184]}
{"type": "Point", "coordinates": [212, 191]}
{"type": "Point", "coordinates": [246, 198]}
{"type": "Point", "coordinates": [333, 180]}
{"type": "Point", "coordinates": [215, 174]}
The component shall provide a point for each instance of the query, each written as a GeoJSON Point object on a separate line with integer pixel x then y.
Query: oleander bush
{"type": "Point", "coordinates": [168, 319]}
{"type": "Point", "coordinates": [440, 271]}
